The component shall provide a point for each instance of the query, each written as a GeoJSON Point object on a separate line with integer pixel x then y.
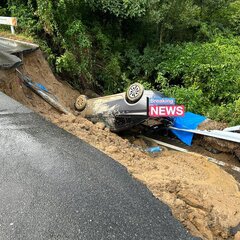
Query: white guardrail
{"type": "Point", "coordinates": [11, 21]}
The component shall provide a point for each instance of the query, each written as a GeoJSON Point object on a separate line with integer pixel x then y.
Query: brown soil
{"type": "Point", "coordinates": [218, 144]}
{"type": "Point", "coordinates": [210, 125]}
{"type": "Point", "coordinates": [37, 68]}
{"type": "Point", "coordinates": [201, 195]}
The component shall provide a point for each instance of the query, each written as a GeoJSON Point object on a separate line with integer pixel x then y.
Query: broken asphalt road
{"type": "Point", "coordinates": [9, 48]}
{"type": "Point", "coordinates": [55, 186]}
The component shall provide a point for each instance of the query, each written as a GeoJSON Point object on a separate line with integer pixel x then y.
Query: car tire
{"type": "Point", "coordinates": [134, 93]}
{"type": "Point", "coordinates": [81, 102]}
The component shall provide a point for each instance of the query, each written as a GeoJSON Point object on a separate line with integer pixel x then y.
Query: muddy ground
{"type": "Point", "coordinates": [204, 147]}
{"type": "Point", "coordinates": [217, 144]}
{"type": "Point", "coordinates": [204, 197]}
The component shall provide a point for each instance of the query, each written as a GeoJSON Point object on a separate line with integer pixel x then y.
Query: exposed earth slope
{"type": "Point", "coordinates": [201, 195]}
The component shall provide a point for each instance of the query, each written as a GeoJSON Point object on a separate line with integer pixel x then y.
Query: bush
{"type": "Point", "coordinates": [27, 20]}
{"type": "Point", "coordinates": [111, 44]}
{"type": "Point", "coordinates": [111, 75]}
{"type": "Point", "coordinates": [193, 98]}
{"type": "Point", "coordinates": [227, 113]}
{"type": "Point", "coordinates": [3, 11]}
{"type": "Point", "coordinates": [212, 67]}
{"type": "Point", "coordinates": [205, 74]}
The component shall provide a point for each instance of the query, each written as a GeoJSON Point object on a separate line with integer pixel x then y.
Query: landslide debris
{"type": "Point", "coordinates": [37, 68]}
{"type": "Point", "coordinates": [201, 195]}
{"type": "Point", "coordinates": [218, 144]}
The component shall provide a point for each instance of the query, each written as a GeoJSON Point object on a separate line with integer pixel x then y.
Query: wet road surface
{"type": "Point", "coordinates": [55, 186]}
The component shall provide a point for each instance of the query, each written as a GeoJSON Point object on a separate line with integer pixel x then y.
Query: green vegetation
{"type": "Point", "coordinates": [188, 49]}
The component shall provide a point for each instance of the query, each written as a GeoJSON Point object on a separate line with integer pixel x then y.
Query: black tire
{"type": "Point", "coordinates": [81, 102]}
{"type": "Point", "coordinates": [134, 93]}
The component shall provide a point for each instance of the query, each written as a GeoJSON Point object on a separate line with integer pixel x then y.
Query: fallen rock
{"type": "Point", "coordinates": [67, 118]}
{"type": "Point", "coordinates": [100, 125]}
{"type": "Point", "coordinates": [111, 149]}
{"type": "Point", "coordinates": [217, 144]}
{"type": "Point", "coordinates": [237, 236]}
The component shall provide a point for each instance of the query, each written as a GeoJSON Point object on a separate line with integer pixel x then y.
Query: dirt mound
{"type": "Point", "coordinates": [218, 144]}
{"type": "Point", "coordinates": [37, 68]}
{"type": "Point", "coordinates": [202, 196]}
{"type": "Point", "coordinates": [210, 125]}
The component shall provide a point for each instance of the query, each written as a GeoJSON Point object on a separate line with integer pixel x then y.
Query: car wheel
{"type": "Point", "coordinates": [134, 92]}
{"type": "Point", "coordinates": [81, 102]}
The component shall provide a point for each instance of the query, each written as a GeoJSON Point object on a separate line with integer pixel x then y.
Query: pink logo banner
{"type": "Point", "coordinates": [166, 111]}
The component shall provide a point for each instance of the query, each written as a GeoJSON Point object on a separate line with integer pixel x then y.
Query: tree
{"type": "Point", "coordinates": [173, 15]}
{"type": "Point", "coordinates": [121, 8]}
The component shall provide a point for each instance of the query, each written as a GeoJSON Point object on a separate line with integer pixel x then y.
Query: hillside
{"type": "Point", "coordinates": [201, 195]}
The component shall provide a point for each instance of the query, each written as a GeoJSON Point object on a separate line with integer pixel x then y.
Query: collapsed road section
{"type": "Point", "coordinates": [8, 61]}
{"type": "Point", "coordinates": [201, 195]}
{"type": "Point", "coordinates": [131, 109]}
{"type": "Point", "coordinates": [119, 112]}
{"type": "Point", "coordinates": [11, 52]}
{"type": "Point", "coordinates": [16, 47]}
{"type": "Point", "coordinates": [53, 185]}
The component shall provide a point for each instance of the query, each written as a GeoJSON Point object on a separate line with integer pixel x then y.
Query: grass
{"type": "Point", "coordinates": [20, 37]}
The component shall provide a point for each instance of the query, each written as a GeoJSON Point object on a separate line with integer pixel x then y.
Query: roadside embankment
{"type": "Point", "coordinates": [201, 195]}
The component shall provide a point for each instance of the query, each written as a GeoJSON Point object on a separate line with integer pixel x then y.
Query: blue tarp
{"type": "Point", "coordinates": [189, 121]}
{"type": "Point", "coordinates": [41, 87]}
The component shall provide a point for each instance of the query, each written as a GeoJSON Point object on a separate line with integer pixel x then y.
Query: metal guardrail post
{"type": "Point", "coordinates": [12, 29]}
{"type": "Point", "coordinates": [12, 21]}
